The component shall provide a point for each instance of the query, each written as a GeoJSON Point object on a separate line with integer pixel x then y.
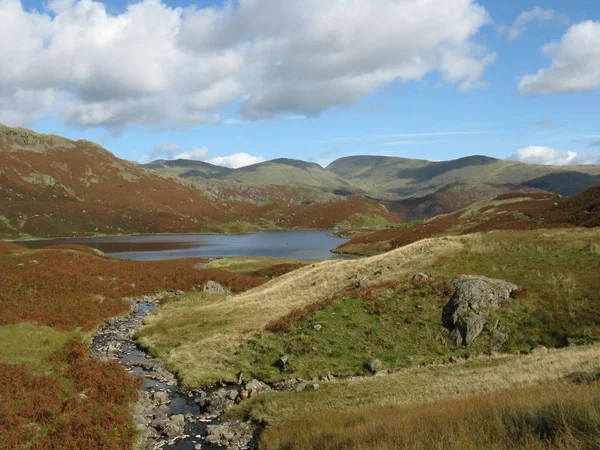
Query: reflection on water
{"type": "Point", "coordinates": [315, 245]}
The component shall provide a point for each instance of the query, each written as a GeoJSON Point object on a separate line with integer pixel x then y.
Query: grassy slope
{"type": "Point", "coordinates": [558, 268]}
{"type": "Point", "coordinates": [217, 338]}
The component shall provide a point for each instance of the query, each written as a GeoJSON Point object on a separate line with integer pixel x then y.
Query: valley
{"type": "Point", "coordinates": [179, 338]}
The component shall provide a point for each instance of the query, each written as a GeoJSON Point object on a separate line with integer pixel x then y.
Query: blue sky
{"type": "Point", "coordinates": [477, 103]}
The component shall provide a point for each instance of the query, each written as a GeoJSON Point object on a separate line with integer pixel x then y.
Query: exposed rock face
{"type": "Point", "coordinates": [212, 287]}
{"type": "Point", "coordinates": [467, 313]}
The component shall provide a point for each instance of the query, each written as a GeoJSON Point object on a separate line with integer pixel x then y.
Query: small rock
{"type": "Point", "coordinates": [317, 327]}
{"type": "Point", "coordinates": [539, 349]}
{"type": "Point", "coordinates": [244, 394]}
{"type": "Point", "coordinates": [212, 287]}
{"type": "Point", "coordinates": [375, 365]}
{"type": "Point", "coordinates": [300, 387]}
{"type": "Point", "coordinates": [420, 276]}
{"type": "Point", "coordinates": [161, 397]}
{"type": "Point", "coordinates": [281, 362]}
{"type": "Point", "coordinates": [316, 386]}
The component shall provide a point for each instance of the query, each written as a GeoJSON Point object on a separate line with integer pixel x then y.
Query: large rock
{"type": "Point", "coordinates": [212, 287]}
{"type": "Point", "coordinates": [467, 313]}
{"type": "Point", "coordinates": [175, 427]}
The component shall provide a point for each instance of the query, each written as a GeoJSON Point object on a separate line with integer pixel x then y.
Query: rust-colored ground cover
{"type": "Point", "coordinates": [67, 289]}
{"type": "Point", "coordinates": [521, 211]}
{"type": "Point", "coordinates": [83, 405]}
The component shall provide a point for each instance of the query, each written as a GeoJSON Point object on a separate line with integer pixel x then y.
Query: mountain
{"type": "Point", "coordinates": [395, 178]}
{"type": "Point", "coordinates": [410, 188]}
{"type": "Point", "coordinates": [52, 186]}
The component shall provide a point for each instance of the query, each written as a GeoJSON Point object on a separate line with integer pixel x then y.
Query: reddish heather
{"type": "Point", "coordinates": [534, 211]}
{"type": "Point", "coordinates": [85, 407]}
{"type": "Point", "coordinates": [67, 289]}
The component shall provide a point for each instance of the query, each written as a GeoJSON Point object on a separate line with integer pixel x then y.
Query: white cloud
{"type": "Point", "coordinates": [236, 161]}
{"type": "Point", "coordinates": [198, 154]}
{"type": "Point", "coordinates": [171, 151]}
{"type": "Point", "coordinates": [537, 14]}
{"type": "Point", "coordinates": [156, 65]}
{"type": "Point", "coordinates": [575, 63]}
{"type": "Point", "coordinates": [551, 156]}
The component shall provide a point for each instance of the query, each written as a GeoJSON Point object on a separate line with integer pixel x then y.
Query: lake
{"type": "Point", "coordinates": [309, 245]}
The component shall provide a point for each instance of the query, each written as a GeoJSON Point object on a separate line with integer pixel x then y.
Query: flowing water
{"type": "Point", "coordinates": [115, 338]}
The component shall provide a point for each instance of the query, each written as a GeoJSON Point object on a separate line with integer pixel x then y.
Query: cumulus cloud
{"type": "Point", "coordinates": [157, 65]}
{"type": "Point", "coordinates": [551, 156]}
{"type": "Point", "coordinates": [171, 151]}
{"type": "Point", "coordinates": [537, 14]}
{"type": "Point", "coordinates": [236, 161]}
{"type": "Point", "coordinates": [575, 63]}
{"type": "Point", "coordinates": [198, 154]}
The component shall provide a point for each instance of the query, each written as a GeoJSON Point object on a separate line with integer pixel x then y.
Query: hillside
{"type": "Point", "coordinates": [511, 211]}
{"type": "Point", "coordinates": [450, 198]}
{"type": "Point", "coordinates": [52, 186]}
{"type": "Point", "coordinates": [411, 188]}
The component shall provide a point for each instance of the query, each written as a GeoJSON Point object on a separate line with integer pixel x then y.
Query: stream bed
{"type": "Point", "coordinates": [166, 417]}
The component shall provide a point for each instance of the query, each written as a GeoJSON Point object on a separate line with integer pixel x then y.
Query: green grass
{"type": "Point", "coordinates": [245, 264]}
{"type": "Point", "coordinates": [404, 328]}
{"type": "Point", "coordinates": [237, 227]}
{"type": "Point", "coordinates": [360, 220]}
{"type": "Point", "coordinates": [400, 328]}
{"type": "Point", "coordinates": [204, 338]}
{"type": "Point", "coordinates": [31, 345]}
{"type": "Point", "coordinates": [410, 224]}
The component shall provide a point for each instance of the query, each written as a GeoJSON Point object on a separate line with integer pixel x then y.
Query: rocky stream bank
{"type": "Point", "coordinates": [166, 416]}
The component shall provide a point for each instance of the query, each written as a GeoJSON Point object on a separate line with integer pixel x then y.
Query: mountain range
{"type": "Point", "coordinates": [52, 186]}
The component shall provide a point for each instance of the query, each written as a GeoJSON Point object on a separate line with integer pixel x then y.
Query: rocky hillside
{"type": "Point", "coordinates": [411, 188]}
{"type": "Point", "coordinates": [52, 186]}
{"type": "Point", "coordinates": [511, 211]}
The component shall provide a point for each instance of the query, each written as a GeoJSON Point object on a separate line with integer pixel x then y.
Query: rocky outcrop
{"type": "Point", "coordinates": [467, 313]}
{"type": "Point", "coordinates": [232, 435]}
{"type": "Point", "coordinates": [212, 287]}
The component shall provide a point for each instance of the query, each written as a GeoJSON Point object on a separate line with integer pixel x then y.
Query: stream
{"type": "Point", "coordinates": [166, 417]}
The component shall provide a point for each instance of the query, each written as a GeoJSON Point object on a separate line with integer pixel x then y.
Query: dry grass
{"type": "Point", "coordinates": [562, 417]}
{"type": "Point", "coordinates": [216, 327]}
{"type": "Point", "coordinates": [417, 386]}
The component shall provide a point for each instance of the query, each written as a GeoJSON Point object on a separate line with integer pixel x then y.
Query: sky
{"type": "Point", "coordinates": [239, 82]}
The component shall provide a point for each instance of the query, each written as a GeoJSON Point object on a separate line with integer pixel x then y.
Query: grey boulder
{"type": "Point", "coordinates": [466, 315]}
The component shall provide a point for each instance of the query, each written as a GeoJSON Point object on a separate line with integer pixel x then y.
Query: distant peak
{"type": "Point", "coordinates": [304, 165]}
